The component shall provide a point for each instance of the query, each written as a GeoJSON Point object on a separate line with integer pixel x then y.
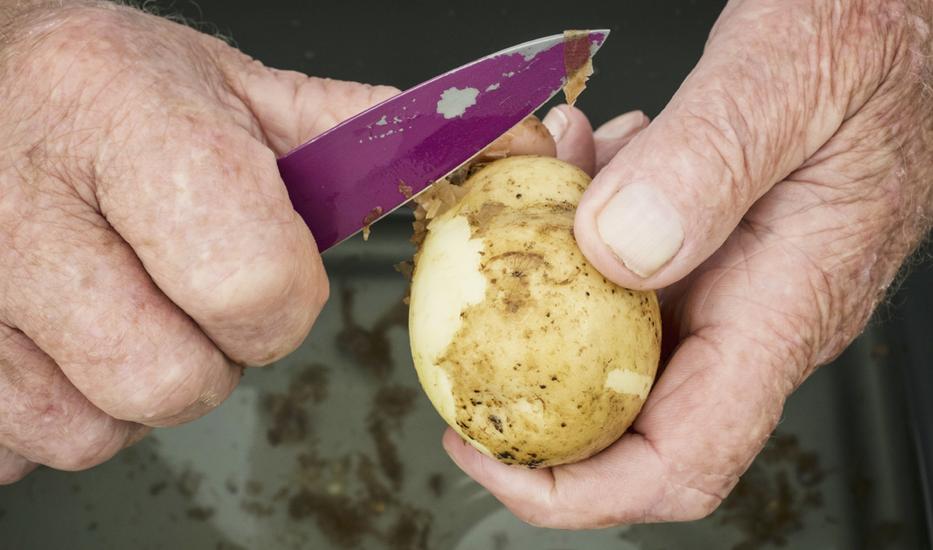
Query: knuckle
{"type": "Point", "coordinates": [381, 93]}
{"type": "Point", "coordinates": [73, 36]}
{"type": "Point", "coordinates": [275, 298]}
{"type": "Point", "coordinates": [13, 467]}
{"type": "Point", "coordinates": [176, 392]}
{"type": "Point", "coordinates": [53, 428]}
{"type": "Point", "coordinates": [255, 291]}
{"type": "Point", "coordinates": [716, 135]}
{"type": "Point", "coordinates": [12, 475]}
{"type": "Point", "coordinates": [79, 449]}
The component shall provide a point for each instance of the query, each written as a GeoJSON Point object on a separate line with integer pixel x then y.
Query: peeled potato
{"type": "Point", "coordinates": [522, 346]}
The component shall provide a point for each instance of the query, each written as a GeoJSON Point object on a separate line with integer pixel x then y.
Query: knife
{"type": "Point", "coordinates": [361, 170]}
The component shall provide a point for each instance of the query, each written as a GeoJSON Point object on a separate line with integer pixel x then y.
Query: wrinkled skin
{"type": "Point", "coordinates": [798, 160]}
{"type": "Point", "coordinates": [148, 249]}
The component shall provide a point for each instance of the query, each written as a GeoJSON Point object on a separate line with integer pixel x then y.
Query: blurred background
{"type": "Point", "coordinates": [336, 446]}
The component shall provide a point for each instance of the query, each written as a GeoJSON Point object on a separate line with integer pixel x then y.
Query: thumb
{"type": "Point", "coordinates": [758, 104]}
{"type": "Point", "coordinates": [291, 107]}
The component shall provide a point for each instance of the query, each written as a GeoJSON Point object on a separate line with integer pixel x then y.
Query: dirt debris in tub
{"type": "Point", "coordinates": [774, 496]}
{"type": "Point", "coordinates": [291, 422]}
{"type": "Point", "coordinates": [437, 484]}
{"type": "Point", "coordinates": [188, 483]}
{"type": "Point", "coordinates": [389, 406]}
{"type": "Point", "coordinates": [355, 496]}
{"type": "Point", "coordinates": [200, 513]}
{"type": "Point", "coordinates": [352, 498]}
{"type": "Point", "coordinates": [257, 508]}
{"type": "Point", "coordinates": [351, 501]}
{"type": "Point", "coordinates": [886, 534]}
{"type": "Point", "coordinates": [156, 488]}
{"type": "Point", "coordinates": [369, 348]}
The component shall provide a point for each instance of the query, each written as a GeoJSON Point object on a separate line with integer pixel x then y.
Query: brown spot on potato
{"type": "Point", "coordinates": [479, 220]}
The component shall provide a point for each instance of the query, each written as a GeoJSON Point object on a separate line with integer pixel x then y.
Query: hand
{"type": "Point", "coordinates": [148, 248]}
{"type": "Point", "coordinates": [773, 200]}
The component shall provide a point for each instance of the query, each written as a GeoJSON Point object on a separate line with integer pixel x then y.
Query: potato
{"type": "Point", "coordinates": [521, 345]}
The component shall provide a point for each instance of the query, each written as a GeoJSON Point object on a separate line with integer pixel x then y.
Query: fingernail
{"type": "Point", "coordinates": [622, 126]}
{"type": "Point", "coordinates": [641, 228]}
{"type": "Point", "coordinates": [556, 123]}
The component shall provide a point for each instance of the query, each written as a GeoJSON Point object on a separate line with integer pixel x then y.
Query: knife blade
{"type": "Point", "coordinates": [369, 165]}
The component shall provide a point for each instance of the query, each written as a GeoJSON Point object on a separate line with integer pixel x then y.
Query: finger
{"type": "Point", "coordinates": [521, 490]}
{"type": "Point", "coordinates": [612, 136]}
{"type": "Point", "coordinates": [291, 107]}
{"type": "Point", "coordinates": [44, 419]}
{"type": "Point", "coordinates": [209, 217]}
{"type": "Point", "coordinates": [573, 135]}
{"type": "Point", "coordinates": [13, 467]}
{"type": "Point", "coordinates": [530, 137]}
{"type": "Point", "coordinates": [219, 234]}
{"type": "Point", "coordinates": [79, 293]}
{"type": "Point", "coordinates": [737, 126]}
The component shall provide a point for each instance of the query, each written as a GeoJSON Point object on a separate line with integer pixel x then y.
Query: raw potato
{"type": "Point", "coordinates": [521, 345]}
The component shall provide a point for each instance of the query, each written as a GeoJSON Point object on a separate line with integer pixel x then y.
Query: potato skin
{"type": "Point", "coordinates": [538, 360]}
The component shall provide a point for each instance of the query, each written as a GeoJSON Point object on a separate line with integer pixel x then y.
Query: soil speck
{"type": "Point", "coordinates": [336, 516]}
{"type": "Point", "coordinates": [188, 483]}
{"type": "Point", "coordinates": [772, 498]}
{"type": "Point", "coordinates": [156, 488]}
{"type": "Point", "coordinates": [369, 348]}
{"type": "Point", "coordinates": [290, 420]}
{"type": "Point", "coordinates": [200, 513]}
{"type": "Point", "coordinates": [437, 484]}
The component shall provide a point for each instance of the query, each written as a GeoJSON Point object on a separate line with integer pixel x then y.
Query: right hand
{"type": "Point", "coordinates": [148, 248]}
{"type": "Point", "coordinates": [772, 202]}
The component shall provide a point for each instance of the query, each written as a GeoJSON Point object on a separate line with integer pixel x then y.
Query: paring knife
{"type": "Point", "coordinates": [357, 172]}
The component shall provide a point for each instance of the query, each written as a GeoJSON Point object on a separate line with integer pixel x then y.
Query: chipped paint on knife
{"type": "Point", "coordinates": [454, 102]}
{"type": "Point", "coordinates": [339, 179]}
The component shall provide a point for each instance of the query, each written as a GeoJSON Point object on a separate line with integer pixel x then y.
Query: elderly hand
{"type": "Point", "coordinates": [148, 248]}
{"type": "Point", "coordinates": [773, 200]}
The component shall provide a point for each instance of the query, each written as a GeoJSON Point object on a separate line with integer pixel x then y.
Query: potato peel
{"type": "Point", "coordinates": [578, 63]}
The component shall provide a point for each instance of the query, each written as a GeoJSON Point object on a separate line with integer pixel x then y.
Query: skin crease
{"type": "Point", "coordinates": [802, 171]}
{"type": "Point", "coordinates": [122, 300]}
